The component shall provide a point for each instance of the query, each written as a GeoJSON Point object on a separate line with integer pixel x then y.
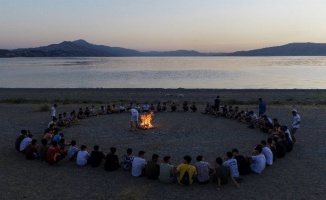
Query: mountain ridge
{"type": "Point", "coordinates": [82, 48]}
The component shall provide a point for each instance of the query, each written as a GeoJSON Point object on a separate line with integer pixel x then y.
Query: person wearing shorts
{"type": "Point", "coordinates": [133, 119]}
{"type": "Point", "coordinates": [295, 124]}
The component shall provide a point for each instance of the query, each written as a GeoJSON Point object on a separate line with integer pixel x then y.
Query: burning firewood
{"type": "Point", "coordinates": [146, 120]}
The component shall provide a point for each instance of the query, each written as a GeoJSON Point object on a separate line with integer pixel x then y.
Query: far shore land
{"type": "Point", "coordinates": [140, 95]}
{"type": "Point", "coordinates": [300, 175]}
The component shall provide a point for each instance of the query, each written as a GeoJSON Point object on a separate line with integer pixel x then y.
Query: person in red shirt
{"type": "Point", "coordinates": [54, 153]}
{"type": "Point", "coordinates": [32, 151]}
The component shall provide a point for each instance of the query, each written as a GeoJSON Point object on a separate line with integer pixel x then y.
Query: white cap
{"type": "Point", "coordinates": [294, 110]}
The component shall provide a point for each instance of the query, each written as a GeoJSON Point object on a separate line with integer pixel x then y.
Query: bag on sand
{"type": "Point", "coordinates": [185, 178]}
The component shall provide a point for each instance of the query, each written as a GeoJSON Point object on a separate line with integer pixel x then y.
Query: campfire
{"type": "Point", "coordinates": [145, 120]}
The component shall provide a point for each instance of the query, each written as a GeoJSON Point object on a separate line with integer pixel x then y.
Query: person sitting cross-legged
{"type": "Point", "coordinates": [82, 156]}
{"type": "Point", "coordinates": [25, 142]}
{"type": "Point", "coordinates": [152, 169]}
{"type": "Point", "coordinates": [54, 153]}
{"type": "Point", "coordinates": [186, 172]}
{"type": "Point", "coordinates": [96, 157]}
{"type": "Point", "coordinates": [173, 107]}
{"type": "Point", "coordinates": [243, 164]}
{"type": "Point", "coordinates": [221, 173]}
{"type": "Point", "coordinates": [32, 151]}
{"type": "Point", "coordinates": [267, 153]}
{"type": "Point", "coordinates": [23, 135]}
{"type": "Point", "coordinates": [138, 165]}
{"type": "Point", "coordinates": [259, 160]}
{"type": "Point", "coordinates": [44, 149]}
{"type": "Point", "coordinates": [127, 160]}
{"type": "Point", "coordinates": [193, 107]}
{"type": "Point", "coordinates": [185, 106]}
{"type": "Point", "coordinates": [203, 170]}
{"type": "Point", "coordinates": [72, 151]}
{"type": "Point", "coordinates": [233, 165]}
{"type": "Point", "coordinates": [167, 171]}
{"type": "Point", "coordinates": [112, 160]}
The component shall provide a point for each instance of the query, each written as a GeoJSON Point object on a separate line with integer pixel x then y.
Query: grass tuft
{"type": "Point", "coordinates": [133, 193]}
{"type": "Point", "coordinates": [44, 108]}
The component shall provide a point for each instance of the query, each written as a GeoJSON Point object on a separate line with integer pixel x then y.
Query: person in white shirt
{"type": "Point", "coordinates": [138, 165]}
{"type": "Point", "coordinates": [53, 110]}
{"type": "Point", "coordinates": [25, 142]}
{"type": "Point", "coordinates": [146, 107]}
{"type": "Point", "coordinates": [259, 160]}
{"type": "Point", "coordinates": [295, 124]}
{"type": "Point", "coordinates": [134, 119]}
{"type": "Point", "coordinates": [93, 111]}
{"type": "Point", "coordinates": [72, 151]}
{"type": "Point", "coordinates": [82, 156]}
{"type": "Point", "coordinates": [232, 164]}
{"type": "Point", "coordinates": [122, 108]}
{"type": "Point", "coordinates": [267, 153]}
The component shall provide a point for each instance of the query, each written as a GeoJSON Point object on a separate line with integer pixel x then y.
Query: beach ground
{"type": "Point", "coordinates": [300, 175]}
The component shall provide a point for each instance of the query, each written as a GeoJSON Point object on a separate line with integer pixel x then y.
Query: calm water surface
{"type": "Point", "coordinates": [165, 72]}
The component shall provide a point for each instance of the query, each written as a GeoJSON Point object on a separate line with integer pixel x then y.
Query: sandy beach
{"type": "Point", "coordinates": [300, 175]}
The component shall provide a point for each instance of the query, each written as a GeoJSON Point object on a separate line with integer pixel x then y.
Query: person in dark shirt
{"type": "Point", "coordinates": [31, 151]}
{"type": "Point", "coordinates": [159, 107]}
{"type": "Point", "coordinates": [87, 112]}
{"type": "Point", "coordinates": [174, 107]}
{"type": "Point", "coordinates": [243, 164]}
{"type": "Point", "coordinates": [96, 157]}
{"type": "Point", "coordinates": [111, 161]}
{"type": "Point", "coordinates": [280, 148]}
{"type": "Point", "coordinates": [153, 168]}
{"type": "Point", "coordinates": [287, 142]}
{"type": "Point", "coordinates": [193, 107]}
{"type": "Point", "coordinates": [43, 149]}
{"type": "Point", "coordinates": [185, 106]}
{"type": "Point", "coordinates": [217, 103]}
{"type": "Point", "coordinates": [20, 139]}
{"type": "Point", "coordinates": [267, 124]}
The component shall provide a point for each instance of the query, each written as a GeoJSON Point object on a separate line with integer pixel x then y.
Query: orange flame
{"type": "Point", "coordinates": [146, 120]}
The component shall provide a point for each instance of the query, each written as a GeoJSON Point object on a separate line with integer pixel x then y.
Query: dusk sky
{"type": "Point", "coordinates": [202, 25]}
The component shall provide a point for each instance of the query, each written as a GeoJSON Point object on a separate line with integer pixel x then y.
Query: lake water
{"type": "Point", "coordinates": [165, 72]}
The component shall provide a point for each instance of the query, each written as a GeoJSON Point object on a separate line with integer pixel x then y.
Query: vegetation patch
{"type": "Point", "coordinates": [133, 193]}
{"type": "Point", "coordinates": [44, 108]}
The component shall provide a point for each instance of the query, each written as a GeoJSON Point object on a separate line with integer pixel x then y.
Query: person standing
{"type": "Point", "coordinates": [53, 110]}
{"type": "Point", "coordinates": [217, 102]}
{"type": "Point", "coordinates": [295, 124]}
{"type": "Point", "coordinates": [262, 107]}
{"type": "Point", "coordinates": [134, 119]}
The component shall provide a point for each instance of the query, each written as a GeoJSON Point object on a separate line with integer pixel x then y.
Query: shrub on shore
{"type": "Point", "coordinates": [44, 108]}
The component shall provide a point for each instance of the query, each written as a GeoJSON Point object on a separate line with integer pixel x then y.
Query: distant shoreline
{"type": "Point", "coordinates": [82, 48]}
{"type": "Point", "coordinates": [127, 95]}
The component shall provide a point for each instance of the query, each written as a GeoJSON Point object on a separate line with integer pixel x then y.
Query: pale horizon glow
{"type": "Point", "coordinates": [160, 25]}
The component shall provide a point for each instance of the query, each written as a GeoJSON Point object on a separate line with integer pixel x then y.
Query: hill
{"type": "Point", "coordinates": [82, 48]}
{"type": "Point", "coordinates": [292, 49]}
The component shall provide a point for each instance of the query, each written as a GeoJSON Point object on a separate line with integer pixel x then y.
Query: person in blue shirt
{"type": "Point", "coordinates": [262, 107]}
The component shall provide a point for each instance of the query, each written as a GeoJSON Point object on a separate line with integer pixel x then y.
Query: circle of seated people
{"type": "Point", "coordinates": [228, 169]}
